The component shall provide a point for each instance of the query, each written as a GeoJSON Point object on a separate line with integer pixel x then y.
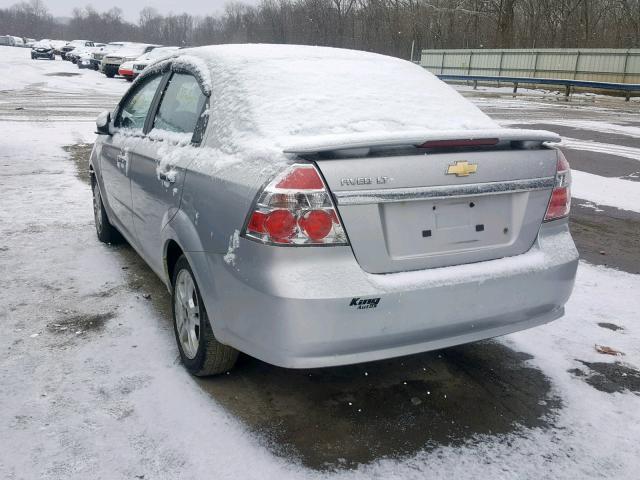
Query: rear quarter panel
{"type": "Point", "coordinates": [219, 190]}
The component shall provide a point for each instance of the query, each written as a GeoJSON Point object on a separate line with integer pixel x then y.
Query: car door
{"type": "Point", "coordinates": [115, 152]}
{"type": "Point", "coordinates": [160, 160]}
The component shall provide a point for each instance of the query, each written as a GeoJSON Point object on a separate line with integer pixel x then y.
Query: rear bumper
{"type": "Point", "coordinates": [295, 307]}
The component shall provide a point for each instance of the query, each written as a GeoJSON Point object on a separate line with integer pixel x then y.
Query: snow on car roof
{"type": "Point", "coordinates": [285, 93]}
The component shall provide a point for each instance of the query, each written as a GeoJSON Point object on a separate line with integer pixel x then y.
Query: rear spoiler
{"type": "Point", "coordinates": [348, 141]}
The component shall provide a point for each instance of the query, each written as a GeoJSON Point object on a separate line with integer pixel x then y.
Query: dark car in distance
{"type": "Point", "coordinates": [43, 49]}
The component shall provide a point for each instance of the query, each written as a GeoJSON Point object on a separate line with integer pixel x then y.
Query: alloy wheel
{"type": "Point", "coordinates": [187, 313]}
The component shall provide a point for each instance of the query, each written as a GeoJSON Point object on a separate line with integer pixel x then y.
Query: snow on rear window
{"type": "Point", "coordinates": [277, 93]}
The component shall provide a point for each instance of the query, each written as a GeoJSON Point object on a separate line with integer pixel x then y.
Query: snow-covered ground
{"type": "Point", "coordinates": [91, 385]}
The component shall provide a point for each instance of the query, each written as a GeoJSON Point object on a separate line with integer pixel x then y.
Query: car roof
{"type": "Point", "coordinates": [272, 84]}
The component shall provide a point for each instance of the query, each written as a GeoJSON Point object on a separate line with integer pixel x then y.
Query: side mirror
{"type": "Point", "coordinates": [103, 124]}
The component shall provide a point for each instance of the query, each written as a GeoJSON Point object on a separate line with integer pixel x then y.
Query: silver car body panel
{"type": "Point", "coordinates": [392, 291]}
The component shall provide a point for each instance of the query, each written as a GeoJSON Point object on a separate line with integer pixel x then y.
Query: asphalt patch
{"type": "Point", "coordinates": [608, 237]}
{"type": "Point", "coordinates": [80, 323]}
{"type": "Point", "coordinates": [610, 326]}
{"type": "Point", "coordinates": [80, 154]}
{"type": "Point", "coordinates": [62, 74]}
{"type": "Point", "coordinates": [609, 377]}
{"type": "Point", "coordinates": [336, 418]}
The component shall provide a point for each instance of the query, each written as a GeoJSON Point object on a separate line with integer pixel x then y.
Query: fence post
{"type": "Point", "coordinates": [575, 67]}
{"type": "Point", "coordinates": [500, 67]}
{"type": "Point", "coordinates": [469, 66]}
{"type": "Point", "coordinates": [442, 63]}
{"type": "Point", "coordinates": [624, 71]}
{"type": "Point", "coordinates": [535, 67]}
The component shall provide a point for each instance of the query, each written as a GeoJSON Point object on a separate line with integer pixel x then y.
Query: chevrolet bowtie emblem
{"type": "Point", "coordinates": [462, 169]}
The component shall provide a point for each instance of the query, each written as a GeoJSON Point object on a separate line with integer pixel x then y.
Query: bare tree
{"type": "Point", "coordinates": [385, 26]}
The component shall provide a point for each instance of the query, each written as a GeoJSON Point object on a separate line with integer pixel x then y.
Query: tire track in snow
{"type": "Point", "coordinates": [608, 148]}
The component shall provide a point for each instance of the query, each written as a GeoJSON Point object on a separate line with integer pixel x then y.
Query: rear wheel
{"type": "Point", "coordinates": [110, 74]}
{"type": "Point", "coordinates": [106, 232]}
{"type": "Point", "coordinates": [201, 353]}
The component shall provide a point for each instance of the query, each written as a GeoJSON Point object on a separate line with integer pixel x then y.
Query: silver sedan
{"type": "Point", "coordinates": [313, 206]}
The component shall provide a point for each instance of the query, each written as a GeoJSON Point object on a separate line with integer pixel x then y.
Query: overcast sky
{"type": "Point", "coordinates": [131, 8]}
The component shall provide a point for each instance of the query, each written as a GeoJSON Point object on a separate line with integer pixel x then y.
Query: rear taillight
{"type": "Point", "coordinates": [295, 209]}
{"type": "Point", "coordinates": [560, 202]}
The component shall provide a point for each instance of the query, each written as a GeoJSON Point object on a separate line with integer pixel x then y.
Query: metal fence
{"type": "Point", "coordinates": [595, 64]}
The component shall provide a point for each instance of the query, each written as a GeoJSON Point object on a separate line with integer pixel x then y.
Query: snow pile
{"type": "Point", "coordinates": [173, 138]}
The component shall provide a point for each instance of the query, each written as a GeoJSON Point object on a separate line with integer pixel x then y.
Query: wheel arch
{"type": "Point", "coordinates": [172, 252]}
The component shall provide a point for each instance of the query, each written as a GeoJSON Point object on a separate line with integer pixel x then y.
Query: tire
{"type": "Point", "coordinates": [110, 74]}
{"type": "Point", "coordinates": [201, 353]}
{"type": "Point", "coordinates": [106, 232]}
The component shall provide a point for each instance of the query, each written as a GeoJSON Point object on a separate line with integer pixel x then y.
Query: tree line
{"type": "Point", "coordinates": [385, 26]}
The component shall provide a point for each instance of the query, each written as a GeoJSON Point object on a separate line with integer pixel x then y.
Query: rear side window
{"type": "Point", "coordinates": [181, 106]}
{"type": "Point", "coordinates": [134, 111]}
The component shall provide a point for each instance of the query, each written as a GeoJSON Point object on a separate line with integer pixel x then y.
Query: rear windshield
{"type": "Point", "coordinates": [310, 95]}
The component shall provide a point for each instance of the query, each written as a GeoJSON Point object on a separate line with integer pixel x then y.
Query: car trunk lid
{"type": "Point", "coordinates": [427, 208]}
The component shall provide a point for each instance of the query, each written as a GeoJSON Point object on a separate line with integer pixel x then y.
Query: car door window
{"type": "Point", "coordinates": [181, 106]}
{"type": "Point", "coordinates": [134, 111]}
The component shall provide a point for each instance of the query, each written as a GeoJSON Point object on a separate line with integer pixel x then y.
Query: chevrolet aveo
{"type": "Point", "coordinates": [314, 207]}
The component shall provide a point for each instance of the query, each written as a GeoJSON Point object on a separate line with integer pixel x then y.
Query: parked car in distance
{"type": "Point", "coordinates": [77, 52]}
{"type": "Point", "coordinates": [112, 61]}
{"type": "Point", "coordinates": [97, 56]}
{"type": "Point", "coordinates": [57, 46]}
{"type": "Point", "coordinates": [43, 49]}
{"type": "Point", "coordinates": [84, 60]}
{"type": "Point", "coordinates": [310, 223]}
{"type": "Point", "coordinates": [29, 42]}
{"type": "Point", "coordinates": [126, 70]}
{"type": "Point", "coordinates": [141, 62]}
{"type": "Point", "coordinates": [11, 41]}
{"type": "Point", "coordinates": [73, 44]}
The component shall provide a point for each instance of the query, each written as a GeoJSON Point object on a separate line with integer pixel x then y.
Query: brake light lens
{"type": "Point", "coordinates": [295, 209]}
{"type": "Point", "coordinates": [477, 142]}
{"type": "Point", "coordinates": [560, 202]}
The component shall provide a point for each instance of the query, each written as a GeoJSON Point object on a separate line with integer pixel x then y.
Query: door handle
{"type": "Point", "coordinates": [167, 177]}
{"type": "Point", "coordinates": [121, 161]}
